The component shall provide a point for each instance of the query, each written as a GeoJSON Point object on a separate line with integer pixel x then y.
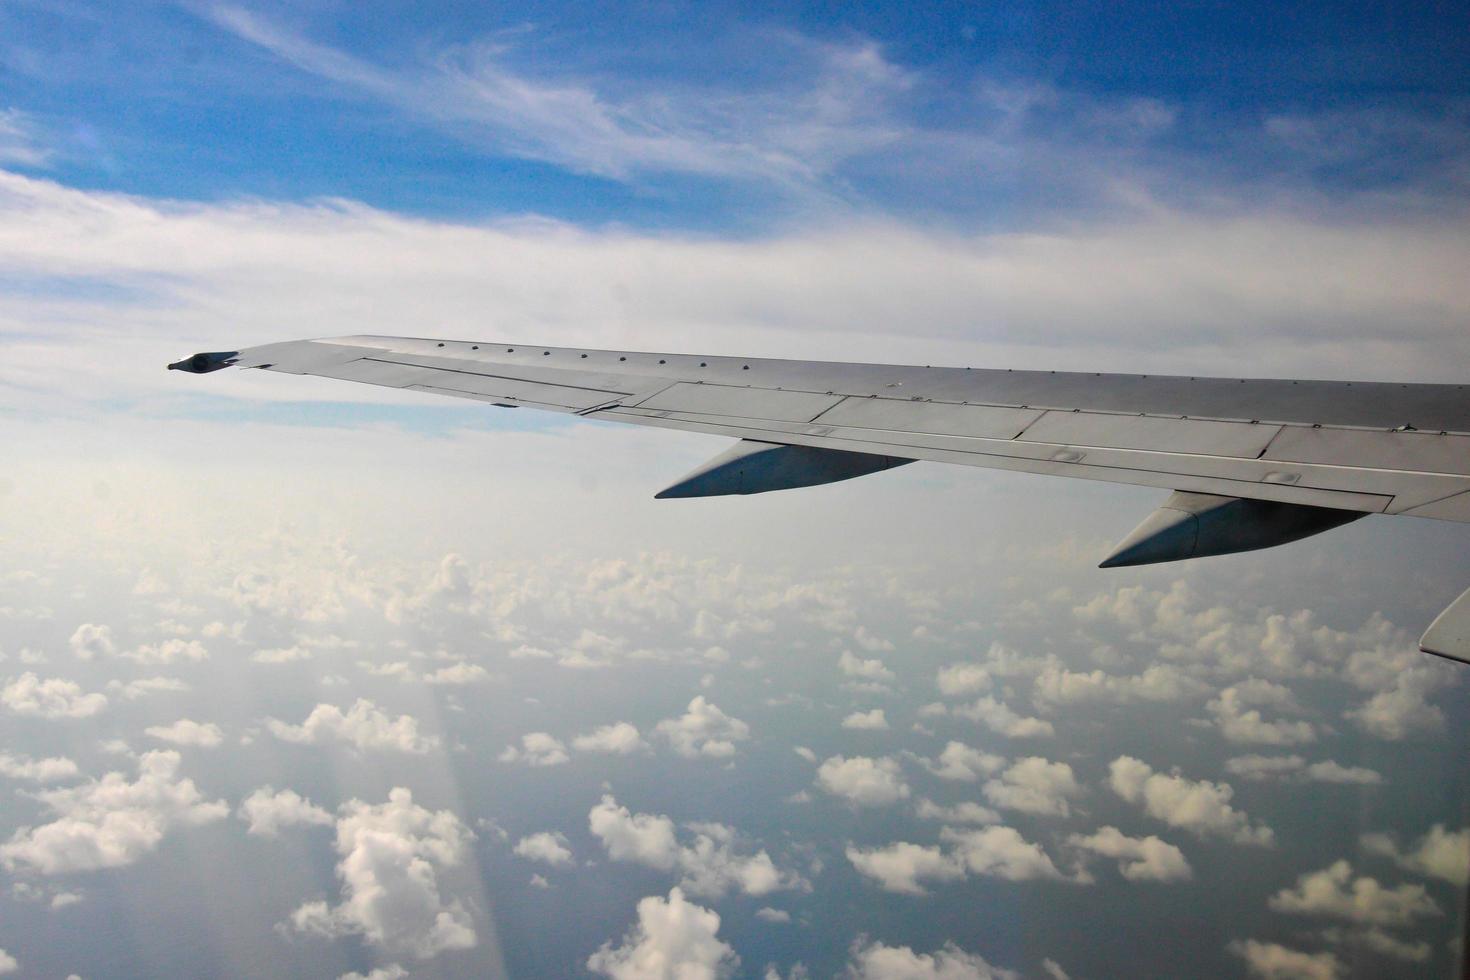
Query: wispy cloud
{"type": "Point", "coordinates": [21, 142]}
{"type": "Point", "coordinates": [845, 126]}
{"type": "Point", "coordinates": [788, 135]}
{"type": "Point", "coordinates": [124, 283]}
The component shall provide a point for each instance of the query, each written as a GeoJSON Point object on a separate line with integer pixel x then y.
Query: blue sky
{"type": "Point", "coordinates": [722, 117]}
{"type": "Point", "coordinates": [313, 679]}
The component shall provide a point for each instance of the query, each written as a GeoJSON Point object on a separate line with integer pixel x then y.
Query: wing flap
{"type": "Point", "coordinates": [1418, 452]}
{"type": "Point", "coordinates": [1194, 436]}
{"type": "Point", "coordinates": [933, 418]}
{"type": "Point", "coordinates": [1455, 507]}
{"type": "Point", "coordinates": [747, 403]}
{"type": "Point", "coordinates": [464, 384]}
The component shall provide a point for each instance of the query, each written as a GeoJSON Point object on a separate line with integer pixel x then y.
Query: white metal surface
{"type": "Point", "coordinates": [1112, 431]}
{"type": "Point", "coordinates": [1326, 444]}
{"type": "Point", "coordinates": [741, 403]}
{"type": "Point", "coordinates": [1449, 634]}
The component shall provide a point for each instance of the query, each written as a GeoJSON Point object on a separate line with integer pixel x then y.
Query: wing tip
{"type": "Point", "coordinates": [1449, 635]}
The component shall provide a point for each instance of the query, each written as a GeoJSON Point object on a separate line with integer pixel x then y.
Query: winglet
{"type": "Point", "coordinates": [1449, 635]}
{"type": "Point", "coordinates": [203, 363]}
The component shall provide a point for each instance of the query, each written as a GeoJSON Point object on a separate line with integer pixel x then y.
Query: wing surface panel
{"type": "Point", "coordinates": [743, 402]}
{"type": "Point", "coordinates": [1111, 466]}
{"type": "Point", "coordinates": [1374, 405]}
{"type": "Point", "coordinates": [1418, 452]}
{"type": "Point", "coordinates": [1364, 446]}
{"type": "Point", "coordinates": [938, 418]}
{"type": "Point", "coordinates": [1195, 436]}
{"type": "Point", "coordinates": [1452, 508]}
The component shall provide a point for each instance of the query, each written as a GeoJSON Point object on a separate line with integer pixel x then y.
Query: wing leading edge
{"type": "Point", "coordinates": [1253, 463]}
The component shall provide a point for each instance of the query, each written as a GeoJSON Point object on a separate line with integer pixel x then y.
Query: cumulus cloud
{"type": "Point", "coordinates": [621, 738]}
{"type": "Point", "coordinates": [1002, 720]}
{"type": "Point", "coordinates": [703, 730]}
{"type": "Point", "coordinates": [960, 813]}
{"type": "Point", "coordinates": [642, 838]}
{"type": "Point", "coordinates": [1139, 858]}
{"type": "Point", "coordinates": [172, 650]}
{"type": "Point", "coordinates": [282, 655]}
{"type": "Point", "coordinates": [869, 640]}
{"type": "Point", "coordinates": [1295, 768]}
{"type": "Point", "coordinates": [391, 856]}
{"type": "Point", "coordinates": [52, 698]}
{"type": "Point", "coordinates": [961, 679]}
{"type": "Point", "coordinates": [538, 749]}
{"type": "Point", "coordinates": [674, 939]}
{"type": "Point", "coordinates": [1035, 785]}
{"type": "Point", "coordinates": [1000, 852]}
{"type": "Point", "coordinates": [1272, 961]}
{"type": "Point", "coordinates": [363, 726]}
{"type": "Point", "coordinates": [144, 686]}
{"type": "Point", "coordinates": [875, 961]}
{"type": "Point", "coordinates": [1329, 771]}
{"type": "Point", "coordinates": [390, 972]}
{"type": "Point", "coordinates": [90, 641]}
{"type": "Point", "coordinates": [1403, 709]}
{"type": "Point", "coordinates": [901, 866]}
{"type": "Point", "coordinates": [8, 963]}
{"type": "Point", "coordinates": [547, 847]}
{"type": "Point", "coordinates": [963, 763]}
{"type": "Point", "coordinates": [1239, 719]}
{"type": "Point", "coordinates": [858, 668]}
{"type": "Point", "coordinates": [1334, 892]}
{"type": "Point", "coordinates": [111, 822]}
{"type": "Point", "coordinates": [711, 865]}
{"type": "Point", "coordinates": [267, 811]}
{"type": "Point", "coordinates": [1258, 642]}
{"type": "Point", "coordinates": [457, 674]}
{"type": "Point", "coordinates": [1054, 969]}
{"type": "Point", "coordinates": [1056, 685]}
{"type": "Point", "coordinates": [1440, 853]}
{"type": "Point", "coordinates": [49, 770]}
{"type": "Point", "coordinates": [863, 781]}
{"type": "Point", "coordinates": [185, 731]}
{"type": "Point", "coordinates": [870, 721]}
{"type": "Point", "coordinates": [1378, 941]}
{"type": "Point", "coordinates": [707, 858]}
{"type": "Point", "coordinates": [26, 891]}
{"type": "Point", "coordinates": [1200, 807]}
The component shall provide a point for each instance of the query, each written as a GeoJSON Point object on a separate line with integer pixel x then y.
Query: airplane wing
{"type": "Point", "coordinates": [1249, 463]}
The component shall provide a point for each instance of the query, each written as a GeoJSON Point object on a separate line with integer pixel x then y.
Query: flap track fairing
{"type": "Point", "coordinates": [758, 467]}
{"type": "Point", "coordinates": [1197, 525]}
